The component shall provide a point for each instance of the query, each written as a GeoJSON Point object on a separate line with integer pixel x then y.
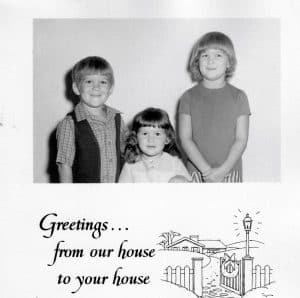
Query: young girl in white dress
{"type": "Point", "coordinates": [151, 153]}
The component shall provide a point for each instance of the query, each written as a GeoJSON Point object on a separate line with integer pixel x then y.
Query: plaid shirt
{"type": "Point", "coordinates": [105, 133]}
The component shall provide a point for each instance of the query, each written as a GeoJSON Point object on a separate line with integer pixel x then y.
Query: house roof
{"type": "Point", "coordinates": [213, 243]}
{"type": "Point", "coordinates": [185, 239]}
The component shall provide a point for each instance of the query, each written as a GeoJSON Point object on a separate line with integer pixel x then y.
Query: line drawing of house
{"type": "Point", "coordinates": [213, 246]}
{"type": "Point", "coordinates": [194, 244]}
{"type": "Point", "coordinates": [217, 270]}
{"type": "Point", "coordinates": [186, 244]}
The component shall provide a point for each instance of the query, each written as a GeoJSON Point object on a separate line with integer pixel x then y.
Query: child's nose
{"type": "Point", "coordinates": [150, 138]}
{"type": "Point", "coordinates": [210, 59]}
{"type": "Point", "coordinates": [96, 84]}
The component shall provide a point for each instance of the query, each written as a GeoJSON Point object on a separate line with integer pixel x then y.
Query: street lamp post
{"type": "Point", "coordinates": [247, 266]}
{"type": "Point", "coordinates": [247, 222]}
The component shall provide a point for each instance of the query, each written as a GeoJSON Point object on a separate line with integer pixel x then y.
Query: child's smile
{"type": "Point", "coordinates": [213, 64]}
{"type": "Point", "coordinates": [94, 90]}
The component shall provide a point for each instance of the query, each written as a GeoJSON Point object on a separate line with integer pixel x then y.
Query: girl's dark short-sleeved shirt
{"type": "Point", "coordinates": [214, 113]}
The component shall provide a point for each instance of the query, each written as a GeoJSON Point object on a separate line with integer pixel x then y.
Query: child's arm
{"type": "Point", "coordinates": [235, 153]}
{"type": "Point", "coordinates": [65, 149]}
{"type": "Point", "coordinates": [185, 135]}
{"type": "Point", "coordinates": [65, 173]}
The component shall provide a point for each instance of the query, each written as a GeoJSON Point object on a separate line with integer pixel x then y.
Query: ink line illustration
{"type": "Point", "coordinates": [216, 269]}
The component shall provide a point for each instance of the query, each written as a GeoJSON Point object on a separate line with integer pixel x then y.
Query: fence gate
{"type": "Point", "coordinates": [231, 274]}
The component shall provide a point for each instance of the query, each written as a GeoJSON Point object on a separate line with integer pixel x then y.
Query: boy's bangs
{"type": "Point", "coordinates": [93, 71]}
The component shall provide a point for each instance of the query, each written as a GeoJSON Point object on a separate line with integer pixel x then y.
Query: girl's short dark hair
{"type": "Point", "coordinates": [216, 40]}
{"type": "Point", "coordinates": [92, 65]}
{"type": "Point", "coordinates": [150, 117]}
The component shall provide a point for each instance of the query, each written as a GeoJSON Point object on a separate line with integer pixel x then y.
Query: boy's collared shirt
{"type": "Point", "coordinates": [105, 133]}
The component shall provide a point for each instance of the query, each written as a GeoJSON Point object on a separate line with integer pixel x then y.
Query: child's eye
{"type": "Point", "coordinates": [158, 134]}
{"type": "Point", "coordinates": [88, 81]}
{"type": "Point", "coordinates": [104, 82]}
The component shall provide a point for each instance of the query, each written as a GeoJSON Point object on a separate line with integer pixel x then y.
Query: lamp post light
{"type": "Point", "coordinates": [247, 222]}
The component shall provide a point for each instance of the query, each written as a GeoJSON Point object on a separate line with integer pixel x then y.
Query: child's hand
{"type": "Point", "coordinates": [206, 172]}
{"type": "Point", "coordinates": [215, 175]}
{"type": "Point", "coordinates": [178, 179]}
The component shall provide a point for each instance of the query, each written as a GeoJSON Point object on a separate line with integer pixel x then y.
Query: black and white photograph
{"type": "Point", "coordinates": [215, 83]}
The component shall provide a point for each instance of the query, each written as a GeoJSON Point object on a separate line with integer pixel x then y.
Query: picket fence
{"type": "Point", "coordinates": [181, 276]}
{"type": "Point", "coordinates": [261, 276]}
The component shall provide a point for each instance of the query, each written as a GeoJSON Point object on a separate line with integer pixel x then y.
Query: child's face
{"type": "Point", "coordinates": [213, 64]}
{"type": "Point", "coordinates": [94, 90]}
{"type": "Point", "coordinates": [152, 140]}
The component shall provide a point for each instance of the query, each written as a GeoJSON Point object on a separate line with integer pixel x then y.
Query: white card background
{"type": "Point", "coordinates": [146, 210]}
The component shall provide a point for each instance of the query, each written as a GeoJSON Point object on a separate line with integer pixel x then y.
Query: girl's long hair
{"type": "Point", "coordinates": [150, 117]}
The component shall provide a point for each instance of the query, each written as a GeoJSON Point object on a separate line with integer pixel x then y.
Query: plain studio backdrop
{"type": "Point", "coordinates": [149, 58]}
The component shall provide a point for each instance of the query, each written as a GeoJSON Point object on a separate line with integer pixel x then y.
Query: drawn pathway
{"type": "Point", "coordinates": [212, 290]}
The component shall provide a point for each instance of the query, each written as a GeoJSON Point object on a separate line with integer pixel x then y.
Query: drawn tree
{"type": "Point", "coordinates": [163, 243]}
{"type": "Point", "coordinates": [173, 235]}
{"type": "Point", "coordinates": [168, 238]}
